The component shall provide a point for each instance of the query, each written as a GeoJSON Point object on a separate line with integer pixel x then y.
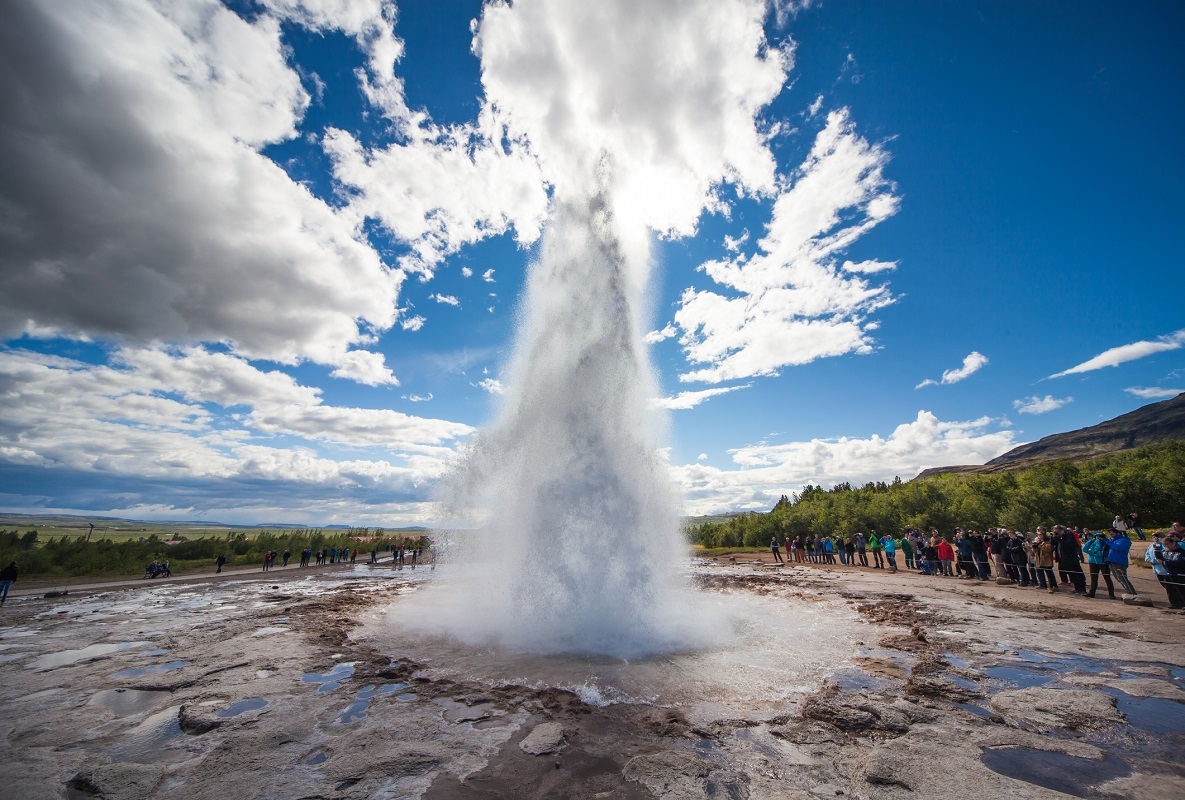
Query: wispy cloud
{"type": "Point", "coordinates": [1127, 352]}
{"type": "Point", "coordinates": [972, 363]}
{"type": "Point", "coordinates": [869, 267]}
{"type": "Point", "coordinates": [1152, 392]}
{"type": "Point", "coordinates": [488, 276]}
{"type": "Point", "coordinates": [413, 323]}
{"type": "Point", "coordinates": [491, 385]}
{"type": "Point", "coordinates": [446, 299]}
{"type": "Point", "coordinates": [686, 400]}
{"type": "Point", "coordinates": [1040, 405]}
{"type": "Point", "coordinates": [466, 272]}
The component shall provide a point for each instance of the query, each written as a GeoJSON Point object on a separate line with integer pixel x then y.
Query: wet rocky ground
{"type": "Point", "coordinates": [890, 686]}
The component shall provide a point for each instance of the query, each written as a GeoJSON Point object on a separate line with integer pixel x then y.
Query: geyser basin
{"type": "Point", "coordinates": [769, 653]}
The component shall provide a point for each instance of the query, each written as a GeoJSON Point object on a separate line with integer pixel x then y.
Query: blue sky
{"type": "Point", "coordinates": [264, 261]}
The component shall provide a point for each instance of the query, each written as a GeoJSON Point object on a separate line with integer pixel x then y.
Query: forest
{"type": "Point", "coordinates": [75, 556]}
{"type": "Point", "coordinates": [1149, 481]}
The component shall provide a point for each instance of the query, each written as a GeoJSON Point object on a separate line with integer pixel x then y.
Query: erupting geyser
{"type": "Point", "coordinates": [580, 549]}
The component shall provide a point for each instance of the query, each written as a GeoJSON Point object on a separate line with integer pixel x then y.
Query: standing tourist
{"type": "Point", "coordinates": [995, 543]}
{"type": "Point", "coordinates": [218, 562]}
{"type": "Point", "coordinates": [946, 556]}
{"type": "Point", "coordinates": [776, 549]}
{"type": "Point", "coordinates": [1133, 524]}
{"type": "Point", "coordinates": [1152, 558]}
{"type": "Point", "coordinates": [874, 544]}
{"type": "Point", "coordinates": [1096, 557]}
{"type": "Point", "coordinates": [890, 548]}
{"type": "Point", "coordinates": [1069, 558]}
{"type": "Point", "coordinates": [907, 550]}
{"type": "Point", "coordinates": [1116, 558]}
{"type": "Point", "coordinates": [979, 551]}
{"type": "Point", "coordinates": [1043, 555]}
{"type": "Point", "coordinates": [1173, 559]}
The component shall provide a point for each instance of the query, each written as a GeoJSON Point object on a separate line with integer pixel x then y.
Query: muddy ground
{"type": "Point", "coordinates": [277, 688]}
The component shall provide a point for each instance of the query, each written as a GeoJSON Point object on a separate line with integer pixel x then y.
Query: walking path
{"type": "Point", "coordinates": [81, 585]}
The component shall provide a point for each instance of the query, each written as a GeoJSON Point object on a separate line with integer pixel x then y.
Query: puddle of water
{"type": "Point", "coordinates": [147, 653]}
{"type": "Point", "coordinates": [126, 702]}
{"type": "Point", "coordinates": [963, 682]}
{"type": "Point", "coordinates": [329, 680]}
{"type": "Point", "coordinates": [978, 711]}
{"type": "Point", "coordinates": [1068, 774]}
{"type": "Point", "coordinates": [241, 707]}
{"type": "Point", "coordinates": [492, 722]}
{"type": "Point", "coordinates": [148, 741]}
{"type": "Point", "coordinates": [154, 669]}
{"type": "Point", "coordinates": [66, 658]}
{"type": "Point", "coordinates": [954, 661]}
{"type": "Point", "coordinates": [353, 712]}
{"type": "Point", "coordinates": [367, 692]}
{"type": "Point", "coordinates": [270, 629]}
{"type": "Point", "coordinates": [1152, 714]}
{"type": "Point", "coordinates": [853, 680]}
{"type": "Point", "coordinates": [407, 697]}
{"type": "Point", "coordinates": [316, 758]}
{"type": "Point", "coordinates": [1023, 677]}
{"type": "Point", "coordinates": [1065, 663]}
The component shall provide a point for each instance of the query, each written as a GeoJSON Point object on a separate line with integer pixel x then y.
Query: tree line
{"type": "Point", "coordinates": [75, 556]}
{"type": "Point", "coordinates": [1149, 481]}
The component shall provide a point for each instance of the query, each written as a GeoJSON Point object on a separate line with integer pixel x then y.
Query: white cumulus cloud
{"type": "Point", "coordinates": [765, 472]}
{"type": "Point", "coordinates": [137, 205]}
{"type": "Point", "coordinates": [790, 303]}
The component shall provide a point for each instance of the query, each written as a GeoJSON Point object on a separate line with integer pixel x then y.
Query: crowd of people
{"type": "Point", "coordinates": [1052, 560]}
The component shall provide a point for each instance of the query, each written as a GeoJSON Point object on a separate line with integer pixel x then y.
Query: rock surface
{"type": "Point", "coordinates": [545, 738]}
{"type": "Point", "coordinates": [140, 694]}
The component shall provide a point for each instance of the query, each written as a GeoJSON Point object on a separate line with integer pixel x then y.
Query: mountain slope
{"type": "Point", "coordinates": [1157, 422]}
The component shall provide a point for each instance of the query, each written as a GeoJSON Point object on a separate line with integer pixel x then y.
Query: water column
{"type": "Point", "coordinates": [581, 547]}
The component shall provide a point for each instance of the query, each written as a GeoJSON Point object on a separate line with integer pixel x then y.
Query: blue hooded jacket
{"type": "Point", "coordinates": [1120, 545]}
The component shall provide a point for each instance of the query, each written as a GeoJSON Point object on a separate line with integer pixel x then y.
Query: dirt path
{"type": "Point", "coordinates": [40, 586]}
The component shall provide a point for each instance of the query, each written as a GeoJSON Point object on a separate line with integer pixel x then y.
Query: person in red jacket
{"type": "Point", "coordinates": [946, 556]}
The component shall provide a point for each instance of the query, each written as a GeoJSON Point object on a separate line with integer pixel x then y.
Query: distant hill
{"type": "Point", "coordinates": [1151, 424]}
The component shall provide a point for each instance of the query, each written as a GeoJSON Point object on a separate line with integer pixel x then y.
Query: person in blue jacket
{"type": "Point", "coordinates": [1096, 556]}
{"type": "Point", "coordinates": [1118, 547]}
